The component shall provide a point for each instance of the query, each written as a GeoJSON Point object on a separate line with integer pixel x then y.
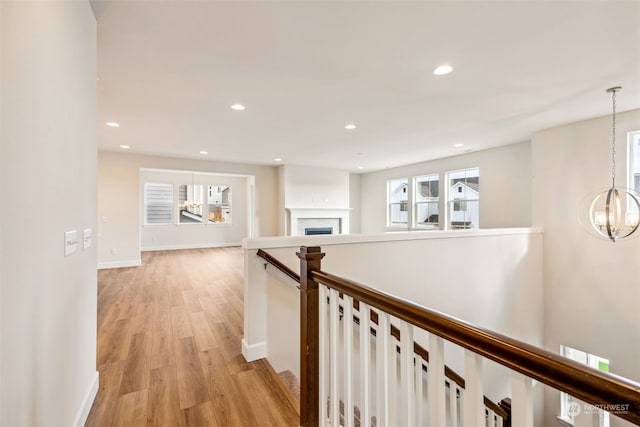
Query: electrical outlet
{"type": "Point", "coordinates": [86, 238]}
{"type": "Point", "coordinates": [70, 242]}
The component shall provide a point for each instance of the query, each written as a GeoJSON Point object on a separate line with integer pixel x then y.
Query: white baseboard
{"type": "Point", "coordinates": [119, 264]}
{"type": "Point", "coordinates": [254, 351]}
{"type": "Point", "coordinates": [190, 246]}
{"type": "Point", "coordinates": [87, 402]}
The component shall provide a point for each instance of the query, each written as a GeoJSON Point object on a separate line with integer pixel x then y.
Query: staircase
{"type": "Point", "coordinates": [497, 415]}
{"type": "Point", "coordinates": [359, 361]}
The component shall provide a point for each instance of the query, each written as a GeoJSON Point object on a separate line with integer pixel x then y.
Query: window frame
{"type": "Point", "coordinates": [429, 177]}
{"type": "Point", "coordinates": [176, 206]}
{"type": "Point", "coordinates": [390, 204]}
{"type": "Point", "coordinates": [566, 400]}
{"type": "Point", "coordinates": [450, 200]}
{"type": "Point", "coordinates": [633, 160]}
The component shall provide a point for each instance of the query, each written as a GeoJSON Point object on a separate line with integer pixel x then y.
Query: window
{"type": "Point", "coordinates": [219, 204]}
{"type": "Point", "coordinates": [570, 407]}
{"type": "Point", "coordinates": [426, 200]}
{"type": "Point", "coordinates": [158, 203]}
{"type": "Point", "coordinates": [190, 201]}
{"type": "Point", "coordinates": [634, 161]}
{"type": "Point", "coordinates": [460, 205]}
{"type": "Point", "coordinates": [397, 202]}
{"type": "Point", "coordinates": [464, 199]}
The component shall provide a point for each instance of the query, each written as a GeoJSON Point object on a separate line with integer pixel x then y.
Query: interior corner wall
{"type": "Point", "coordinates": [591, 293]}
{"type": "Point", "coordinates": [1, 212]}
{"type": "Point", "coordinates": [354, 203]}
{"type": "Point", "coordinates": [505, 186]}
{"type": "Point", "coordinates": [48, 184]}
{"type": "Point", "coordinates": [119, 200]}
{"type": "Point", "coordinates": [282, 213]}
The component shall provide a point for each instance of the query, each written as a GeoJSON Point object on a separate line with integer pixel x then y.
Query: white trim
{"type": "Point", "coordinates": [254, 351]}
{"type": "Point", "coordinates": [119, 264]}
{"type": "Point", "coordinates": [87, 402]}
{"type": "Point", "coordinates": [189, 172]}
{"type": "Point", "coordinates": [565, 420]}
{"type": "Point", "coordinates": [341, 239]}
{"type": "Point", "coordinates": [190, 246]}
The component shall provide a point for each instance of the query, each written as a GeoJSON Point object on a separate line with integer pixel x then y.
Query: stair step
{"type": "Point", "coordinates": [291, 383]}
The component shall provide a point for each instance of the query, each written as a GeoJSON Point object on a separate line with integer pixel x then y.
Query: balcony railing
{"type": "Point", "coordinates": [345, 380]}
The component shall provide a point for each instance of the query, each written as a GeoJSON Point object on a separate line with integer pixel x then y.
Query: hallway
{"type": "Point", "coordinates": [169, 335]}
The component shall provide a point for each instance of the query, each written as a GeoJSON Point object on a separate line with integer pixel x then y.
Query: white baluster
{"type": "Point", "coordinates": [365, 361]}
{"type": "Point", "coordinates": [382, 374]}
{"type": "Point", "coordinates": [392, 367]}
{"type": "Point", "coordinates": [407, 375]}
{"type": "Point", "coordinates": [453, 404]}
{"type": "Point", "coordinates": [323, 371]}
{"type": "Point", "coordinates": [474, 414]}
{"type": "Point", "coordinates": [334, 397]}
{"type": "Point", "coordinates": [460, 404]}
{"type": "Point", "coordinates": [490, 418]}
{"type": "Point", "coordinates": [521, 400]}
{"type": "Point", "coordinates": [435, 382]}
{"type": "Point", "coordinates": [347, 323]}
{"type": "Point", "coordinates": [419, 390]}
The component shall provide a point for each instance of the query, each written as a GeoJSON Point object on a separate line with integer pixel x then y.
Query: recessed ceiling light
{"type": "Point", "coordinates": [237, 107]}
{"type": "Point", "coordinates": [113, 124]}
{"type": "Point", "coordinates": [458, 145]}
{"type": "Point", "coordinates": [125, 147]}
{"type": "Point", "coordinates": [204, 152]}
{"type": "Point", "coordinates": [442, 70]}
{"type": "Point", "coordinates": [350, 126]}
{"type": "Point", "coordinates": [277, 159]}
{"type": "Point", "coordinates": [360, 167]}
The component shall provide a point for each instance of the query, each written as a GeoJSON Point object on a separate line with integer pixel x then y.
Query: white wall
{"type": "Point", "coordinates": [354, 203]}
{"type": "Point", "coordinates": [591, 293]}
{"type": "Point", "coordinates": [119, 200]}
{"type": "Point", "coordinates": [492, 278]}
{"type": "Point", "coordinates": [177, 236]}
{"type": "Point", "coordinates": [505, 186]}
{"type": "Point", "coordinates": [311, 187]}
{"type": "Point", "coordinates": [49, 147]}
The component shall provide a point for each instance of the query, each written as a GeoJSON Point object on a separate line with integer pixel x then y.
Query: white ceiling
{"type": "Point", "coordinates": [170, 70]}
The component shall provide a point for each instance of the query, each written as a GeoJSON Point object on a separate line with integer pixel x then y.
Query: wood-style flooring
{"type": "Point", "coordinates": [169, 339]}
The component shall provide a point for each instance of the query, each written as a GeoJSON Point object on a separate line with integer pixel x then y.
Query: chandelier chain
{"type": "Point", "coordinates": [613, 140]}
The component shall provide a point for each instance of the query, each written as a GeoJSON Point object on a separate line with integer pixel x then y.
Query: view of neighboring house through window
{"type": "Point", "coordinates": [398, 202]}
{"type": "Point", "coordinates": [219, 203]}
{"type": "Point", "coordinates": [464, 199]}
{"type": "Point", "coordinates": [426, 201]}
{"type": "Point", "coordinates": [158, 203]}
{"type": "Point", "coordinates": [191, 203]}
{"type": "Point", "coordinates": [571, 407]}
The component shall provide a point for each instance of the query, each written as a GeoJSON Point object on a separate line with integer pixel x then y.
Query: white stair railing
{"type": "Point", "coordinates": [401, 378]}
{"type": "Point", "coordinates": [349, 378]}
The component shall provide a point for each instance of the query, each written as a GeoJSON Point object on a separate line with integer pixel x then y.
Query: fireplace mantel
{"type": "Point", "coordinates": [294, 215]}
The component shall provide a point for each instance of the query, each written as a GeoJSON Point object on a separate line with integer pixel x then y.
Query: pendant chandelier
{"type": "Point", "coordinates": [190, 201]}
{"type": "Point", "coordinates": [614, 213]}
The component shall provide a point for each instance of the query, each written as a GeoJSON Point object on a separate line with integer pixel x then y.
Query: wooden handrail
{"type": "Point", "coordinates": [395, 332]}
{"type": "Point", "coordinates": [277, 264]}
{"type": "Point", "coordinates": [587, 384]}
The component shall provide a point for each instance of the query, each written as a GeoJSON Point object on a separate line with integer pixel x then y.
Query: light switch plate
{"type": "Point", "coordinates": [86, 238]}
{"type": "Point", "coordinates": [70, 242]}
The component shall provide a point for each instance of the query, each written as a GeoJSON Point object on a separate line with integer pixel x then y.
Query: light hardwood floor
{"type": "Point", "coordinates": [169, 338]}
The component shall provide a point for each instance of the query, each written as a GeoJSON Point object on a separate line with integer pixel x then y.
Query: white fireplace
{"type": "Point", "coordinates": [301, 221]}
